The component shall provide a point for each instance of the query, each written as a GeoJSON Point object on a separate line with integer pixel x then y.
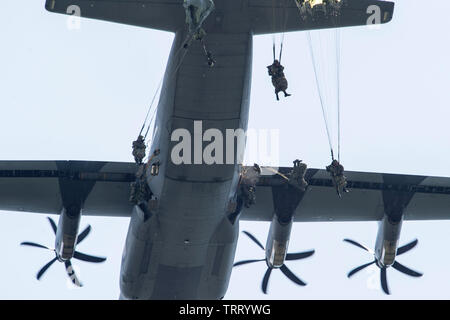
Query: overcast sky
{"type": "Point", "coordinates": [82, 95]}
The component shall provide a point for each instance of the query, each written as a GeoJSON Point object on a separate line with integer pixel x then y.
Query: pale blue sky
{"type": "Point", "coordinates": [82, 95]}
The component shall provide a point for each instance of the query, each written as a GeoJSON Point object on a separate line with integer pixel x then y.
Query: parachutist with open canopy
{"type": "Point", "coordinates": [337, 174]}
{"type": "Point", "coordinates": [276, 71]}
{"type": "Point", "coordinates": [139, 149]}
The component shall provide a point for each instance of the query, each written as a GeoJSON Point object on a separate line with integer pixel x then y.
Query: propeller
{"type": "Point", "coordinates": [77, 255]}
{"type": "Point", "coordinates": [284, 269]}
{"type": "Point", "coordinates": [397, 266]}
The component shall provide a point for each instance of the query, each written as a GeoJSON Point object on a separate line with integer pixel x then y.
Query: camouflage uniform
{"type": "Point", "coordinates": [297, 177]}
{"type": "Point", "coordinates": [249, 179]}
{"type": "Point", "coordinates": [276, 70]}
{"type": "Point", "coordinates": [140, 191]}
{"type": "Point", "coordinates": [337, 174]}
{"type": "Point", "coordinates": [139, 149]}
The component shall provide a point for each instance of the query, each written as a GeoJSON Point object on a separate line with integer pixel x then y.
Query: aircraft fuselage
{"type": "Point", "coordinates": [186, 249]}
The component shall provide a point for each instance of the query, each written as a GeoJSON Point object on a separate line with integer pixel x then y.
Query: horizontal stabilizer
{"type": "Point", "coordinates": [233, 16]}
{"type": "Point", "coordinates": [166, 15]}
{"type": "Point", "coordinates": [270, 16]}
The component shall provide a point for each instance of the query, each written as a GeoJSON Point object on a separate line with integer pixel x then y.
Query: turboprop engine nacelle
{"type": "Point", "coordinates": [387, 241]}
{"type": "Point", "coordinates": [67, 233]}
{"type": "Point", "coordinates": [277, 242]}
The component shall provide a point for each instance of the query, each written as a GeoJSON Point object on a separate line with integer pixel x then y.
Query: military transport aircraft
{"type": "Point", "coordinates": [183, 246]}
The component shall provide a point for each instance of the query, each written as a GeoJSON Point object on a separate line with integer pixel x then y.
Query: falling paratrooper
{"type": "Point", "coordinates": [276, 71]}
{"type": "Point", "coordinates": [297, 176]}
{"type": "Point", "coordinates": [196, 13]}
{"type": "Point", "coordinates": [336, 171]}
{"type": "Point", "coordinates": [139, 149]}
{"type": "Point", "coordinates": [324, 45]}
{"type": "Point", "coordinates": [248, 180]}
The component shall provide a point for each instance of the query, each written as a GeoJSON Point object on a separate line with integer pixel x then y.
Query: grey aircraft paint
{"type": "Point", "coordinates": [192, 240]}
{"type": "Point", "coordinates": [185, 248]}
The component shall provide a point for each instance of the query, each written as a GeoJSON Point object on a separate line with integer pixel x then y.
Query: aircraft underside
{"type": "Point", "coordinates": [185, 209]}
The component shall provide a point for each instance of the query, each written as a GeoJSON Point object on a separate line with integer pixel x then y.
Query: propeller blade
{"type": "Point", "coordinates": [288, 273]}
{"type": "Point", "coordinates": [407, 247]}
{"type": "Point", "coordinates": [299, 255]}
{"type": "Point", "coordinates": [84, 234]}
{"type": "Point", "coordinates": [358, 245]}
{"type": "Point", "coordinates": [254, 239]}
{"type": "Point", "coordinates": [247, 261]}
{"type": "Point", "coordinates": [265, 281]}
{"type": "Point", "coordinates": [71, 273]}
{"type": "Point", "coordinates": [44, 268]}
{"type": "Point", "coordinates": [37, 245]}
{"type": "Point", "coordinates": [53, 224]}
{"type": "Point", "coordinates": [405, 270]}
{"type": "Point", "coordinates": [383, 279]}
{"type": "Point", "coordinates": [352, 272]}
{"type": "Point", "coordinates": [87, 258]}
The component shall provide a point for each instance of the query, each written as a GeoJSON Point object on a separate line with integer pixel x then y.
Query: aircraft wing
{"type": "Point", "coordinates": [371, 194]}
{"type": "Point", "coordinates": [103, 187]}
{"type": "Point", "coordinates": [43, 186]}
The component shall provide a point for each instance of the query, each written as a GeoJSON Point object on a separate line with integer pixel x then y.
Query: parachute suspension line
{"type": "Point", "coordinates": [273, 46]}
{"type": "Point", "coordinates": [338, 63]}
{"type": "Point", "coordinates": [153, 110]}
{"type": "Point", "coordinates": [281, 48]}
{"type": "Point", "coordinates": [285, 14]}
{"type": "Point", "coordinates": [150, 108]}
{"type": "Point", "coordinates": [321, 98]}
{"type": "Point", "coordinates": [273, 30]}
{"type": "Point", "coordinates": [336, 20]}
{"type": "Point", "coordinates": [285, 18]}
